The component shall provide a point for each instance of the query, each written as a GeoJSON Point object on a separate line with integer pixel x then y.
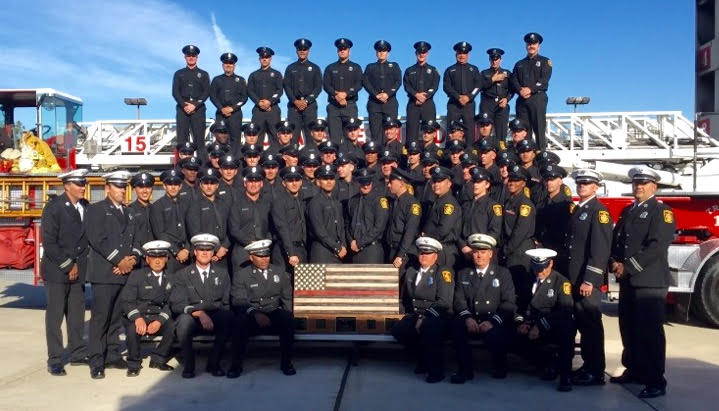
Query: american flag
{"type": "Point", "coordinates": [346, 289]}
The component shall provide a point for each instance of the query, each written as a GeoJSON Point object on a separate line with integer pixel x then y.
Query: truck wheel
{"type": "Point", "coordinates": [705, 301]}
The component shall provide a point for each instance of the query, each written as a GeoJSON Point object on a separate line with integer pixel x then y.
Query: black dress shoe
{"type": "Point", "coordinates": [652, 392]}
{"type": "Point", "coordinates": [586, 378]}
{"type": "Point", "coordinates": [234, 372]}
{"type": "Point", "coordinates": [565, 384]}
{"type": "Point", "coordinates": [434, 378]}
{"type": "Point", "coordinates": [56, 369]}
{"type": "Point", "coordinates": [288, 369]}
{"type": "Point", "coordinates": [161, 366]}
{"type": "Point", "coordinates": [625, 378]}
{"type": "Point", "coordinates": [133, 372]}
{"type": "Point", "coordinates": [188, 374]}
{"type": "Point", "coordinates": [80, 361]}
{"type": "Point", "coordinates": [97, 373]}
{"type": "Point", "coordinates": [548, 374]}
{"type": "Point", "coordinates": [119, 364]}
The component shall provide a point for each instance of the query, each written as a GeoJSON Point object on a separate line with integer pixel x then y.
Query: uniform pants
{"type": "Point", "coordinates": [495, 339]}
{"type": "Point", "coordinates": [187, 326]}
{"type": "Point", "coordinates": [466, 113]}
{"type": "Point", "coordinates": [588, 317]}
{"type": "Point", "coordinates": [105, 325]}
{"type": "Point", "coordinates": [234, 126]}
{"type": "Point", "coordinates": [448, 256]}
{"type": "Point", "coordinates": [267, 122]}
{"type": "Point", "coordinates": [336, 116]}
{"type": "Point", "coordinates": [65, 300]}
{"type": "Point", "coordinates": [522, 277]}
{"type": "Point", "coordinates": [371, 254]}
{"type": "Point", "coordinates": [160, 354]}
{"type": "Point", "coordinates": [427, 344]}
{"type": "Point", "coordinates": [281, 324]}
{"type": "Point", "coordinates": [499, 115]}
{"type": "Point", "coordinates": [301, 120]}
{"type": "Point", "coordinates": [641, 325]}
{"type": "Point", "coordinates": [377, 113]}
{"type": "Point", "coordinates": [321, 255]}
{"type": "Point", "coordinates": [415, 115]}
{"type": "Point", "coordinates": [541, 351]}
{"type": "Point", "coordinates": [195, 122]}
{"type": "Point", "coordinates": [533, 111]}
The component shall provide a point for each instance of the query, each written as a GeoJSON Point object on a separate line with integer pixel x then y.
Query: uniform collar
{"type": "Point", "coordinates": [583, 203]}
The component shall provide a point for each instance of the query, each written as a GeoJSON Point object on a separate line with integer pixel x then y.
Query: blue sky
{"type": "Point", "coordinates": [626, 55]}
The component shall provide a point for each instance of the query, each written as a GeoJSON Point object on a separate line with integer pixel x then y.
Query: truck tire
{"type": "Point", "coordinates": [705, 301]}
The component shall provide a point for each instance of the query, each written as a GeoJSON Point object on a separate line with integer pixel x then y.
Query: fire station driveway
{"type": "Point", "coordinates": [382, 380]}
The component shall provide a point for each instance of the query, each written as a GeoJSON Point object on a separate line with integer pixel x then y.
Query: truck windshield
{"type": "Point", "coordinates": [60, 118]}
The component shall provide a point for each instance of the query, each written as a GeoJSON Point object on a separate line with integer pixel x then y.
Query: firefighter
{"type": "Point", "coordinates": [264, 87]}
{"type": "Point", "coordinates": [63, 268]}
{"type": "Point", "coordinates": [480, 215]}
{"type": "Point", "coordinates": [421, 82]}
{"type": "Point", "coordinates": [249, 218]}
{"type": "Point", "coordinates": [326, 221]}
{"type": "Point", "coordinates": [392, 135]}
{"type": "Point", "coordinates": [191, 89]}
{"type": "Point", "coordinates": [262, 299]}
{"type": "Point", "coordinates": [110, 234]}
{"type": "Point", "coordinates": [208, 213]}
{"type": "Point", "coordinates": [142, 183]}
{"type": "Point", "coordinates": [589, 242]}
{"type": "Point", "coordinates": [641, 239]}
{"type": "Point", "coordinates": [145, 303]}
{"type": "Point", "coordinates": [496, 93]}
{"type": "Point", "coordinates": [167, 219]}
{"type": "Point", "coordinates": [342, 81]}
{"type": "Point", "coordinates": [427, 302]}
{"type": "Point", "coordinates": [381, 80]}
{"type": "Point", "coordinates": [462, 83]}
{"type": "Point", "coordinates": [553, 214]}
{"type": "Point", "coordinates": [484, 303]}
{"type": "Point", "coordinates": [228, 92]}
{"type": "Point", "coordinates": [351, 145]}
{"type": "Point", "coordinates": [367, 213]}
{"type": "Point", "coordinates": [290, 221]}
{"type": "Point", "coordinates": [405, 218]}
{"type": "Point", "coordinates": [302, 84]}
{"type": "Point", "coordinates": [200, 299]}
{"type": "Point", "coordinates": [444, 219]}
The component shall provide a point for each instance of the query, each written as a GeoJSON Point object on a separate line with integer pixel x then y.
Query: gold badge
{"type": "Point", "coordinates": [567, 191]}
{"type": "Point", "coordinates": [572, 206]}
{"type": "Point", "coordinates": [475, 153]}
{"type": "Point", "coordinates": [447, 276]}
{"type": "Point", "coordinates": [440, 152]}
{"type": "Point", "coordinates": [527, 192]}
{"type": "Point", "coordinates": [604, 217]}
{"type": "Point", "coordinates": [404, 151]}
{"type": "Point", "coordinates": [497, 210]}
{"type": "Point", "coordinates": [383, 202]}
{"type": "Point", "coordinates": [549, 63]}
{"type": "Point", "coordinates": [524, 210]}
{"type": "Point", "coordinates": [668, 216]}
{"type": "Point", "coordinates": [416, 209]}
{"type": "Point", "coordinates": [567, 288]}
{"type": "Point", "coordinates": [448, 209]}
{"type": "Point", "coordinates": [502, 145]}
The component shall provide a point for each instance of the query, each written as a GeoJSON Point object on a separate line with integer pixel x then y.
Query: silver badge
{"type": "Point", "coordinates": [168, 286]}
{"type": "Point", "coordinates": [550, 293]}
{"type": "Point", "coordinates": [276, 278]}
{"type": "Point", "coordinates": [644, 214]}
{"type": "Point", "coordinates": [471, 69]}
{"type": "Point", "coordinates": [237, 79]}
{"type": "Point", "coordinates": [389, 65]}
{"type": "Point", "coordinates": [538, 64]}
{"type": "Point", "coordinates": [309, 68]}
{"type": "Point", "coordinates": [217, 281]}
{"type": "Point", "coordinates": [199, 75]}
{"type": "Point", "coordinates": [350, 68]}
{"type": "Point", "coordinates": [495, 283]}
{"type": "Point", "coordinates": [67, 203]}
{"type": "Point", "coordinates": [583, 216]}
{"type": "Point", "coordinates": [272, 74]}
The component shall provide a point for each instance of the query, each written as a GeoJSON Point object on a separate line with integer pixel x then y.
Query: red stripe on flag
{"type": "Point", "coordinates": [330, 293]}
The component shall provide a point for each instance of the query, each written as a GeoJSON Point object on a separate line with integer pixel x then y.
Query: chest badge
{"type": "Point", "coordinates": [538, 64]}
{"type": "Point", "coordinates": [309, 68]}
{"type": "Point", "coordinates": [550, 293]}
{"type": "Point", "coordinates": [272, 74]}
{"type": "Point", "coordinates": [430, 280]}
{"type": "Point", "coordinates": [644, 214]}
{"type": "Point", "coordinates": [583, 216]}
{"type": "Point", "coordinates": [217, 281]}
{"type": "Point", "coordinates": [276, 278]}
{"type": "Point", "coordinates": [199, 75]}
{"type": "Point", "coordinates": [495, 283]}
{"type": "Point", "coordinates": [237, 79]}
{"type": "Point", "coordinates": [429, 71]}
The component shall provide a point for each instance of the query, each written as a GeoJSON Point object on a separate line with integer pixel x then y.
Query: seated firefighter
{"type": "Point", "coordinates": [262, 299]}
{"type": "Point", "coordinates": [548, 321]}
{"type": "Point", "coordinates": [145, 303]}
{"type": "Point", "coordinates": [427, 301]}
{"type": "Point", "coordinates": [201, 300]}
{"type": "Point", "coordinates": [484, 300]}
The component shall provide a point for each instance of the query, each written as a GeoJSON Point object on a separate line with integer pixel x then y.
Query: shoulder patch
{"type": "Point", "coordinates": [567, 288]}
{"type": "Point", "coordinates": [416, 209]}
{"type": "Point", "coordinates": [502, 145]}
{"type": "Point", "coordinates": [572, 206]}
{"type": "Point", "coordinates": [549, 63]}
{"type": "Point", "coordinates": [410, 189]}
{"type": "Point", "coordinates": [604, 217]}
{"type": "Point", "coordinates": [567, 191]}
{"type": "Point", "coordinates": [383, 202]}
{"type": "Point", "coordinates": [448, 209]}
{"type": "Point", "coordinates": [527, 193]}
{"type": "Point", "coordinates": [447, 276]}
{"type": "Point", "coordinates": [668, 216]}
{"type": "Point", "coordinates": [524, 210]}
{"type": "Point", "coordinates": [497, 208]}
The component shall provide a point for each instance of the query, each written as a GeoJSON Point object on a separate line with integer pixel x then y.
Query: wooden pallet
{"type": "Point", "coordinates": [346, 323]}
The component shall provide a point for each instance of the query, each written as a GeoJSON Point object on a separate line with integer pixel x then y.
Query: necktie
{"type": "Point", "coordinates": [536, 286]}
{"type": "Point", "coordinates": [419, 277]}
{"type": "Point", "coordinates": [79, 210]}
{"type": "Point", "coordinates": [264, 273]}
{"type": "Point", "coordinates": [120, 209]}
{"type": "Point", "coordinates": [204, 276]}
{"type": "Point", "coordinates": [158, 277]}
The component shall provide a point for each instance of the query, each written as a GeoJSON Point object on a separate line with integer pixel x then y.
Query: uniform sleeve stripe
{"type": "Point", "coordinates": [545, 323]}
{"type": "Point", "coordinates": [66, 263]}
{"type": "Point", "coordinates": [636, 264]}
{"type": "Point", "coordinates": [250, 310]}
{"type": "Point", "coordinates": [433, 312]}
{"type": "Point", "coordinates": [113, 254]}
{"type": "Point", "coordinates": [188, 309]}
{"type": "Point", "coordinates": [595, 269]}
{"type": "Point", "coordinates": [133, 312]}
{"type": "Point", "coordinates": [465, 312]}
{"type": "Point", "coordinates": [497, 318]}
{"type": "Point", "coordinates": [139, 252]}
{"type": "Point", "coordinates": [165, 316]}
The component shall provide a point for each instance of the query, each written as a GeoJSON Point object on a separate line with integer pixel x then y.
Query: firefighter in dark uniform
{"type": "Point", "coordinates": [480, 215]}
{"type": "Point", "coordinates": [191, 89]}
{"type": "Point", "coordinates": [185, 150]}
{"type": "Point", "coordinates": [302, 84]}
{"type": "Point", "coordinates": [429, 133]}
{"type": "Point", "coordinates": [641, 239]}
{"type": "Point", "coordinates": [518, 233]}
{"type": "Point", "coordinates": [167, 219]}
{"type": "Point", "coordinates": [229, 182]}
{"type": "Point", "coordinates": [367, 216]}
{"type": "Point", "coordinates": [326, 221]}
{"type": "Point", "coordinates": [462, 83]}
{"type": "Point", "coordinates": [393, 135]}
{"type": "Point", "coordinates": [382, 80]}
{"type": "Point", "coordinates": [486, 125]}
{"type": "Point", "coordinates": [145, 303]}
{"type": "Point", "coordinates": [110, 234]}
{"type": "Point", "coordinates": [264, 87]}
{"type": "Point", "coordinates": [547, 319]}
{"type": "Point", "coordinates": [413, 163]}
{"type": "Point", "coordinates": [346, 187]}
{"type": "Point", "coordinates": [589, 243]}
{"type": "Point", "coordinates": [189, 167]}
{"type": "Point", "coordinates": [142, 183]}
{"type": "Point", "coordinates": [425, 194]}
{"type": "Point", "coordinates": [63, 268]}
{"type": "Point", "coordinates": [310, 164]}
{"type": "Point", "coordinates": [228, 92]}
{"type": "Point", "coordinates": [420, 81]}
{"type": "Point", "coordinates": [290, 221]}
{"type": "Point", "coordinates": [484, 304]}
{"type": "Point", "coordinates": [404, 219]}
{"type": "Point", "coordinates": [249, 218]}
{"type": "Point", "coordinates": [553, 214]}
{"type": "Point", "coordinates": [444, 218]}
{"type": "Point", "coordinates": [351, 145]}
{"type": "Point", "coordinates": [496, 93]}
{"type": "Point", "coordinates": [427, 302]}
{"type": "Point", "coordinates": [527, 152]}
{"type": "Point", "coordinates": [530, 80]}
{"type": "Point", "coordinates": [488, 160]}
{"type": "Point", "coordinates": [209, 214]}
{"type": "Point", "coordinates": [262, 299]}
{"type": "Point", "coordinates": [342, 81]}
{"type": "Point", "coordinates": [200, 299]}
